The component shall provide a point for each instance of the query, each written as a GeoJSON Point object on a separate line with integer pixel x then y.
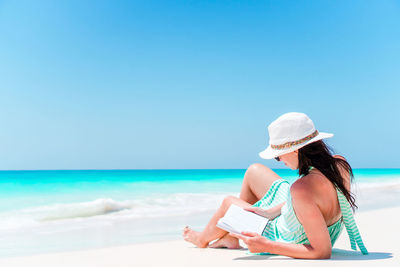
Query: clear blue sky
{"type": "Point", "coordinates": [194, 84]}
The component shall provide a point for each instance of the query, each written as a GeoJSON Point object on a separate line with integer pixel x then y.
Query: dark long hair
{"type": "Point", "coordinates": [319, 156]}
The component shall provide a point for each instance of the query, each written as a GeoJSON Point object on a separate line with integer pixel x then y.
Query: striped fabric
{"type": "Point", "coordinates": [277, 194]}
{"type": "Point", "coordinates": [286, 227]}
{"type": "Point", "coordinates": [349, 222]}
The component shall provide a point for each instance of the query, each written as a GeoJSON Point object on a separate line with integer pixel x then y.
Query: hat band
{"type": "Point", "coordinates": [293, 143]}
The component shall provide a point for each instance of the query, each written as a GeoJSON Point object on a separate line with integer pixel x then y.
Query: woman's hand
{"type": "Point", "coordinates": [255, 242]}
{"type": "Point", "coordinates": [267, 213]}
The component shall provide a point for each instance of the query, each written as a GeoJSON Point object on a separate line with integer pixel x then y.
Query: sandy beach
{"type": "Point", "coordinates": [376, 226]}
{"type": "Point", "coordinates": [125, 121]}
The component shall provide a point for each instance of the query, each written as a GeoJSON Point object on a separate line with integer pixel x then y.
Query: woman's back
{"type": "Point", "coordinates": [323, 193]}
{"type": "Point", "coordinates": [319, 188]}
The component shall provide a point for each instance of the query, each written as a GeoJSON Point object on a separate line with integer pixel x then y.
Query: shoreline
{"type": "Point", "coordinates": [376, 232]}
{"type": "Point", "coordinates": [130, 233]}
{"type": "Point", "coordinates": [126, 233]}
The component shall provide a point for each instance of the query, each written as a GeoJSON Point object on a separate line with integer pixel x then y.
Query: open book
{"type": "Point", "coordinates": [238, 220]}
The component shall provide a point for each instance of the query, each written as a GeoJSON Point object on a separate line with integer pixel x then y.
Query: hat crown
{"type": "Point", "coordinates": [290, 127]}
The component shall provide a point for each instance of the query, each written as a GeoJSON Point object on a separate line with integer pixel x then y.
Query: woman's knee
{"type": "Point", "coordinates": [257, 169]}
{"type": "Point", "coordinates": [259, 179]}
{"type": "Point", "coordinates": [228, 200]}
{"type": "Point", "coordinates": [256, 166]}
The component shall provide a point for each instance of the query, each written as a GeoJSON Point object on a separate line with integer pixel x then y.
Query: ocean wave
{"type": "Point", "coordinates": [109, 209]}
{"type": "Point", "coordinates": [392, 184]}
{"type": "Point", "coordinates": [74, 210]}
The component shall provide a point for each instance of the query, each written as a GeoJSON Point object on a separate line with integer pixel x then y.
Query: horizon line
{"type": "Point", "coordinates": [183, 169]}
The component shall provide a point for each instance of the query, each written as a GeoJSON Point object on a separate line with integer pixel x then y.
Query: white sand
{"type": "Point", "coordinates": [378, 228]}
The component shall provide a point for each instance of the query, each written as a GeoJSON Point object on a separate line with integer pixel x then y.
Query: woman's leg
{"type": "Point", "coordinates": [257, 180]}
{"type": "Point", "coordinates": [211, 231]}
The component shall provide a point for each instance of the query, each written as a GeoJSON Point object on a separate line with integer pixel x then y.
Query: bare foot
{"type": "Point", "coordinates": [193, 237]}
{"type": "Point", "coordinates": [226, 241]}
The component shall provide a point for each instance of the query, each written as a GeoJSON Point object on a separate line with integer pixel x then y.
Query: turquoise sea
{"type": "Point", "coordinates": [47, 211]}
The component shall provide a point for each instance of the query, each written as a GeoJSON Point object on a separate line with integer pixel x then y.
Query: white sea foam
{"type": "Point", "coordinates": [379, 185]}
{"type": "Point", "coordinates": [109, 210]}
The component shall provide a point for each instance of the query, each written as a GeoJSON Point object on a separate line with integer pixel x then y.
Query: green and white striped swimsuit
{"type": "Point", "coordinates": [287, 228]}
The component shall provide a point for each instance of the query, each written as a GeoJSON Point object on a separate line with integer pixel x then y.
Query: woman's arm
{"type": "Point", "coordinates": [276, 210]}
{"type": "Point", "coordinates": [270, 213]}
{"type": "Point", "coordinates": [310, 216]}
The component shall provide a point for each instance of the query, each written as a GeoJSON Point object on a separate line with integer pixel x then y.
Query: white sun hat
{"type": "Point", "coordinates": [290, 132]}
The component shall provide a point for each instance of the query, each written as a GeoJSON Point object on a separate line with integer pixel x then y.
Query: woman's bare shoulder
{"type": "Point", "coordinates": [313, 186]}
{"type": "Point", "coordinates": [306, 184]}
{"type": "Point", "coordinates": [300, 189]}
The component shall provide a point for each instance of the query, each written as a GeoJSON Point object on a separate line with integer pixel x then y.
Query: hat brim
{"type": "Point", "coordinates": [271, 153]}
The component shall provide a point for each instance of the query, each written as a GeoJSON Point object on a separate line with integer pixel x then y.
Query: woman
{"type": "Point", "coordinates": [307, 217]}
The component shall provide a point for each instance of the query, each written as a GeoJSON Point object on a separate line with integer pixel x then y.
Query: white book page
{"type": "Point", "coordinates": [237, 220]}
